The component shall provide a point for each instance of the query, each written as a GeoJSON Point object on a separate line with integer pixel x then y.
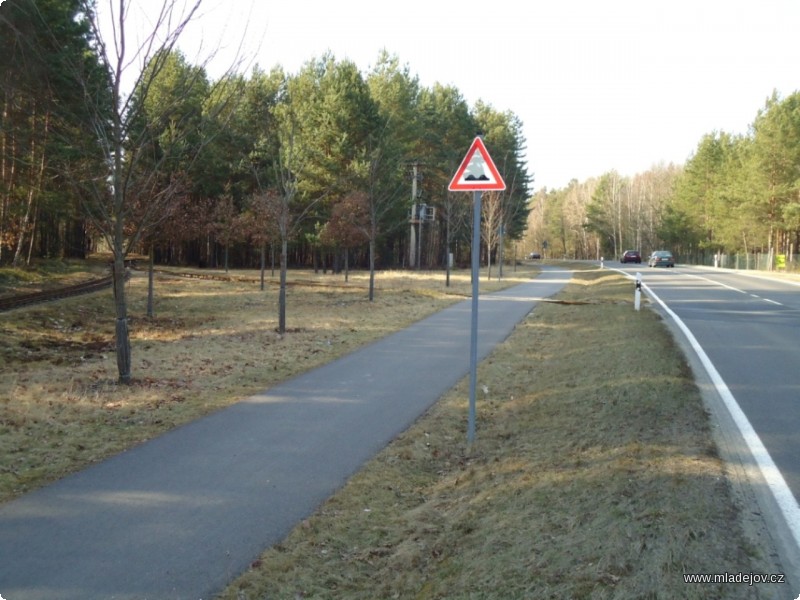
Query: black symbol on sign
{"type": "Point", "coordinates": [474, 170]}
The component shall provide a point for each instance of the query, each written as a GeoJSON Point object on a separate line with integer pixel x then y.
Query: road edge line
{"type": "Point", "coordinates": [779, 507]}
{"type": "Point", "coordinates": [780, 499]}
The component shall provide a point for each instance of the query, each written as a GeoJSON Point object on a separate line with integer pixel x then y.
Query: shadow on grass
{"type": "Point", "coordinates": [593, 475]}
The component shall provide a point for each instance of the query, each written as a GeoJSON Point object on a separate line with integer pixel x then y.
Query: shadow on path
{"type": "Point", "coordinates": [182, 515]}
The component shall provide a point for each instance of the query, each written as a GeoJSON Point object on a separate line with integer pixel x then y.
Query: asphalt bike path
{"type": "Point", "coordinates": [180, 516]}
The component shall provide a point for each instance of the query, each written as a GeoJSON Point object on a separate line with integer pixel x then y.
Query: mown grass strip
{"type": "Point", "coordinates": [593, 475]}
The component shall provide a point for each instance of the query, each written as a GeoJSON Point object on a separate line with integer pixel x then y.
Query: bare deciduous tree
{"type": "Point", "coordinates": [492, 221]}
{"type": "Point", "coordinates": [115, 200]}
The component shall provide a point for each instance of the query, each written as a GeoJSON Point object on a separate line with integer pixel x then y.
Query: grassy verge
{"type": "Point", "coordinates": [593, 475]}
{"type": "Point", "coordinates": [46, 274]}
{"type": "Point", "coordinates": [210, 344]}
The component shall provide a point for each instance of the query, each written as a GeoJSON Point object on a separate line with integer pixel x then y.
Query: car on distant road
{"type": "Point", "coordinates": [632, 256]}
{"type": "Point", "coordinates": [534, 255]}
{"type": "Point", "coordinates": [661, 258]}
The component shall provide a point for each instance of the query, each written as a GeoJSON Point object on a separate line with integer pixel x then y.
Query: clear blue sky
{"type": "Point", "coordinates": [599, 85]}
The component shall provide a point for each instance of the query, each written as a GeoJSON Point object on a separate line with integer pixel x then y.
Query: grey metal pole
{"type": "Point", "coordinates": [412, 242]}
{"type": "Point", "coordinates": [419, 239]}
{"type": "Point", "coordinates": [501, 251]}
{"type": "Point", "coordinates": [473, 338]}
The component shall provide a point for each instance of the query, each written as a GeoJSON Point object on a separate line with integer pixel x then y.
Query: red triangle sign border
{"type": "Point", "coordinates": [459, 184]}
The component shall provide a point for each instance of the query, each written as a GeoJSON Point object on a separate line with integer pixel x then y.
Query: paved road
{"type": "Point", "coordinates": [748, 327]}
{"type": "Point", "coordinates": [180, 516]}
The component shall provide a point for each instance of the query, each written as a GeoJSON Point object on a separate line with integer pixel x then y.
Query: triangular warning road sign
{"type": "Point", "coordinates": [477, 172]}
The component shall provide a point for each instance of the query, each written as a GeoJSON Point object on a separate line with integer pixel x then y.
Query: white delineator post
{"type": "Point", "coordinates": [637, 297]}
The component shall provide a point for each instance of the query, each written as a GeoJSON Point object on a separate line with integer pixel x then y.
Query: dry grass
{"type": "Point", "coordinates": [210, 344]}
{"type": "Point", "coordinates": [50, 273]}
{"type": "Point", "coordinates": [593, 476]}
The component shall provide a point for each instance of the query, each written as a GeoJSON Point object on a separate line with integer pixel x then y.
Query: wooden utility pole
{"type": "Point", "coordinates": [416, 177]}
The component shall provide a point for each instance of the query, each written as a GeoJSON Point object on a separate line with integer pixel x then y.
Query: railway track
{"type": "Point", "coordinates": [20, 300]}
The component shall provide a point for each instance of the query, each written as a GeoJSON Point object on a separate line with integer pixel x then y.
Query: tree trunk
{"type": "Point", "coordinates": [7, 171]}
{"type": "Point", "coordinates": [282, 293]}
{"type": "Point", "coordinates": [500, 251]}
{"type": "Point", "coordinates": [122, 336]}
{"type": "Point", "coordinates": [34, 184]}
{"type": "Point", "coordinates": [372, 268]}
{"type": "Point", "coordinates": [33, 236]}
{"type": "Point", "coordinates": [150, 311]}
{"type": "Point", "coordinates": [263, 263]}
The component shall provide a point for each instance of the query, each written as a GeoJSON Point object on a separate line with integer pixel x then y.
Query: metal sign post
{"type": "Point", "coordinates": [473, 336]}
{"type": "Point", "coordinates": [476, 174]}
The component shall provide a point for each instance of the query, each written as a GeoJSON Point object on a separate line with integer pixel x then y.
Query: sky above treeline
{"type": "Point", "coordinates": [598, 85]}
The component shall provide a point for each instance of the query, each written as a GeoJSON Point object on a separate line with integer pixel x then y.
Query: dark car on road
{"type": "Point", "coordinates": [534, 255]}
{"type": "Point", "coordinates": [632, 256]}
{"type": "Point", "coordinates": [661, 258]}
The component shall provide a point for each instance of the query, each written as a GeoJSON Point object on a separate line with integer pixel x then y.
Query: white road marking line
{"type": "Point", "coordinates": [786, 501]}
{"type": "Point", "coordinates": [725, 285]}
{"type": "Point", "coordinates": [733, 288]}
